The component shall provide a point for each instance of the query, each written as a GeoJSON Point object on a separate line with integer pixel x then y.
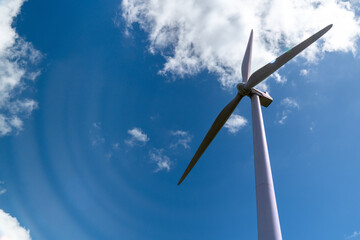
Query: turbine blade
{"type": "Point", "coordinates": [271, 67]}
{"type": "Point", "coordinates": [246, 63]}
{"type": "Point", "coordinates": [215, 128]}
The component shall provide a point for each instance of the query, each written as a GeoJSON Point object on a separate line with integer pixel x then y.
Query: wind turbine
{"type": "Point", "coordinates": [267, 213]}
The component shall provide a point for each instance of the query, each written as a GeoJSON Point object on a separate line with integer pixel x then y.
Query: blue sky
{"type": "Point", "coordinates": [108, 102]}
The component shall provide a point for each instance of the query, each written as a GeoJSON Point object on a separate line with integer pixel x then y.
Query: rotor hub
{"type": "Point", "coordinates": [242, 90]}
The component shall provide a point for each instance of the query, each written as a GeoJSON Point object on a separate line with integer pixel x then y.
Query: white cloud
{"type": "Point", "coordinates": [196, 35]}
{"type": "Point", "coordinates": [10, 228]}
{"type": "Point", "coordinates": [235, 123]}
{"type": "Point", "coordinates": [17, 57]}
{"type": "Point", "coordinates": [290, 103]}
{"type": "Point", "coordinates": [304, 72]}
{"type": "Point", "coordinates": [183, 138]}
{"type": "Point", "coordinates": [136, 136]}
{"type": "Point", "coordinates": [162, 161]}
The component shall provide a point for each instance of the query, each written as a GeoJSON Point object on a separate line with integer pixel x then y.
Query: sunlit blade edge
{"type": "Point", "coordinates": [246, 63]}
{"type": "Point", "coordinates": [271, 67]}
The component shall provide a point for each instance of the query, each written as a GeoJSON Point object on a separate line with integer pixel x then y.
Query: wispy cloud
{"type": "Point", "coordinates": [98, 140]}
{"type": "Point", "coordinates": [312, 126]}
{"type": "Point", "coordinates": [96, 136]}
{"type": "Point", "coordinates": [183, 138]}
{"type": "Point", "coordinates": [235, 123]}
{"type": "Point", "coordinates": [97, 125]}
{"type": "Point", "coordinates": [284, 116]}
{"type": "Point", "coordinates": [11, 229]}
{"type": "Point", "coordinates": [278, 78]}
{"type": "Point", "coordinates": [162, 161]}
{"type": "Point", "coordinates": [289, 104]}
{"type": "Point", "coordinates": [17, 61]}
{"type": "Point", "coordinates": [211, 35]}
{"type": "Point", "coordinates": [137, 136]}
{"type": "Point", "coordinates": [355, 235]}
{"type": "Point", "coordinates": [115, 146]}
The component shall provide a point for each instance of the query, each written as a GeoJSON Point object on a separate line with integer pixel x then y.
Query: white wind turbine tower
{"type": "Point", "coordinates": [267, 213]}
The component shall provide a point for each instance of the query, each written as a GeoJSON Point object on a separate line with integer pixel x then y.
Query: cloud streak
{"type": "Point", "coordinates": [211, 35]}
{"type": "Point", "coordinates": [17, 60]}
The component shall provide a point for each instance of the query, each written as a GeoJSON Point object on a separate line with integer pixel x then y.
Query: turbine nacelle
{"type": "Point", "coordinates": [265, 98]}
